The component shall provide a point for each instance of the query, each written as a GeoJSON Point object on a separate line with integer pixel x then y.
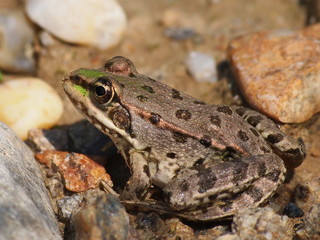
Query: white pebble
{"type": "Point", "coordinates": [202, 67]}
{"type": "Point", "coordinates": [29, 103]}
{"type": "Point", "coordinates": [99, 23]}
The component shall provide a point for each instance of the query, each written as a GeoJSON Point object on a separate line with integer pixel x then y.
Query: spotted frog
{"type": "Point", "coordinates": [209, 160]}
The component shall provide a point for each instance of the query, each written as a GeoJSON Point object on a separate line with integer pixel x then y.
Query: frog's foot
{"type": "Point", "coordinates": [218, 191]}
{"type": "Point", "coordinates": [291, 151]}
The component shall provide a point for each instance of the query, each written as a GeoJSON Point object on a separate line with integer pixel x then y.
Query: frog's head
{"type": "Point", "coordinates": [96, 94]}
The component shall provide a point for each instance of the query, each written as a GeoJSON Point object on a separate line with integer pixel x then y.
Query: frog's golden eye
{"type": "Point", "coordinates": [102, 91]}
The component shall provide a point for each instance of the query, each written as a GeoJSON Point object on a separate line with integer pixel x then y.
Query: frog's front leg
{"type": "Point", "coordinates": [223, 188]}
{"type": "Point", "coordinates": [139, 182]}
{"type": "Point", "coordinates": [289, 149]}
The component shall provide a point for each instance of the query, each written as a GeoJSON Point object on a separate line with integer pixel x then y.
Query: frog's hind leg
{"type": "Point", "coordinates": [289, 149]}
{"type": "Point", "coordinates": [220, 190]}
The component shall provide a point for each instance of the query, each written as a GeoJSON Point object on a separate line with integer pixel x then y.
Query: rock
{"type": "Point", "coordinates": [69, 205]}
{"type": "Point", "coordinates": [292, 210]}
{"type": "Point", "coordinates": [25, 208]}
{"type": "Point", "coordinates": [310, 229]}
{"type": "Point", "coordinates": [261, 223]}
{"type": "Point", "coordinates": [106, 218]}
{"type": "Point", "coordinates": [279, 72]}
{"type": "Point", "coordinates": [100, 23]}
{"type": "Point", "coordinates": [202, 67]}
{"type": "Point", "coordinates": [228, 237]}
{"type": "Point", "coordinates": [29, 103]}
{"type": "Point", "coordinates": [16, 56]}
{"type": "Point", "coordinates": [79, 172]}
{"type": "Point", "coordinates": [180, 34]}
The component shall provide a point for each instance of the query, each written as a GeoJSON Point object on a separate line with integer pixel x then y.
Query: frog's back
{"type": "Point", "coordinates": [168, 109]}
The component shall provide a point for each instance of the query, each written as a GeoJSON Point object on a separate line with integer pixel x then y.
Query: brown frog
{"type": "Point", "coordinates": [209, 160]}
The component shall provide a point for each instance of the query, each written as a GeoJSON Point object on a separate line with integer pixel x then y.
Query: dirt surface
{"type": "Point", "coordinates": [145, 42]}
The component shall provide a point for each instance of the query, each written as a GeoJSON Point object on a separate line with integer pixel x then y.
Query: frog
{"type": "Point", "coordinates": [208, 161]}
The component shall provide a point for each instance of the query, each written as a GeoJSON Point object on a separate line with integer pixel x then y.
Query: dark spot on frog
{"type": "Point", "coordinates": [176, 94]}
{"type": "Point", "coordinates": [148, 89]}
{"type": "Point", "coordinates": [155, 118]}
{"type": "Point", "coordinates": [241, 111]}
{"type": "Point", "coordinates": [215, 120]}
{"type": "Point", "coordinates": [171, 155]}
{"type": "Point", "coordinates": [265, 150]}
{"type": "Point", "coordinates": [227, 206]}
{"type": "Point", "coordinates": [132, 75]}
{"type": "Point", "coordinates": [184, 186]}
{"type": "Point", "coordinates": [142, 98]}
{"type": "Point", "coordinates": [262, 169]}
{"type": "Point", "coordinates": [122, 85]}
{"type": "Point", "coordinates": [273, 176]}
{"type": "Point", "coordinates": [183, 114]}
{"type": "Point", "coordinates": [242, 136]}
{"type": "Point", "coordinates": [205, 141]}
{"type": "Point", "coordinates": [199, 102]}
{"type": "Point", "coordinates": [254, 132]}
{"type": "Point", "coordinates": [207, 179]}
{"type": "Point", "coordinates": [239, 171]}
{"type": "Point", "coordinates": [254, 120]}
{"type": "Point", "coordinates": [179, 137]}
{"type": "Point", "coordinates": [212, 197]}
{"type": "Point", "coordinates": [302, 192]}
{"type": "Point", "coordinates": [255, 193]}
{"type": "Point", "coordinates": [199, 161]}
{"type": "Point", "coordinates": [224, 109]}
{"type": "Point", "coordinates": [146, 170]}
{"type": "Point", "coordinates": [275, 138]}
{"type": "Point", "coordinates": [120, 118]}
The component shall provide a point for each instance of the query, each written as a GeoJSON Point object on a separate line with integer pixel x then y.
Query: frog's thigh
{"type": "Point", "coordinates": [139, 182]}
{"type": "Point", "coordinates": [291, 151]}
{"type": "Point", "coordinates": [227, 186]}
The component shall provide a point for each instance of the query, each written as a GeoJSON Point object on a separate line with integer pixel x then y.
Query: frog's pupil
{"type": "Point", "coordinates": [100, 91]}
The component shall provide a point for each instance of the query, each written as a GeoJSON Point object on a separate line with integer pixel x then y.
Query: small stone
{"type": "Point", "coordinates": [79, 172]}
{"type": "Point", "coordinates": [228, 237]}
{"type": "Point", "coordinates": [16, 56]}
{"type": "Point", "coordinates": [292, 210]}
{"type": "Point", "coordinates": [261, 223]}
{"type": "Point", "coordinates": [106, 218]}
{"type": "Point", "coordinates": [101, 24]}
{"type": "Point", "coordinates": [310, 228]}
{"type": "Point", "coordinates": [25, 207]}
{"type": "Point", "coordinates": [202, 67]}
{"type": "Point", "coordinates": [69, 205]}
{"type": "Point", "coordinates": [279, 72]}
{"type": "Point", "coordinates": [180, 34]}
{"type": "Point", "coordinates": [29, 103]}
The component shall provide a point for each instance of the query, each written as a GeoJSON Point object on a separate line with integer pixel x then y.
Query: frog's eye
{"type": "Point", "coordinates": [102, 90]}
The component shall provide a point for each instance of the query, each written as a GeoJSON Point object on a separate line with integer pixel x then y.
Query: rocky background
{"type": "Point", "coordinates": [261, 54]}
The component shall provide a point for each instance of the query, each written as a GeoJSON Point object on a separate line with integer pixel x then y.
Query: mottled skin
{"type": "Point", "coordinates": [209, 160]}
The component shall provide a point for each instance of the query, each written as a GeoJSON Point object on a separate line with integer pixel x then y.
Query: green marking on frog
{"type": "Point", "coordinates": [82, 90]}
{"type": "Point", "coordinates": [90, 73]}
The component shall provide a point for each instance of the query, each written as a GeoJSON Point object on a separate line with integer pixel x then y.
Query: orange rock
{"type": "Point", "coordinates": [79, 172]}
{"type": "Point", "coordinates": [279, 72]}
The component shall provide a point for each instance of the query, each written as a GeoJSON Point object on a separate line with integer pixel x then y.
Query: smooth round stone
{"type": "Point", "coordinates": [202, 67]}
{"type": "Point", "coordinates": [99, 23]}
{"type": "Point", "coordinates": [29, 103]}
{"type": "Point", "coordinates": [16, 42]}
